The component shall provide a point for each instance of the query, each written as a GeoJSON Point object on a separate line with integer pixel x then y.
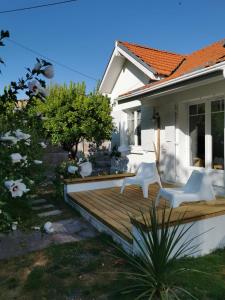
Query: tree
{"type": "Point", "coordinates": [71, 116]}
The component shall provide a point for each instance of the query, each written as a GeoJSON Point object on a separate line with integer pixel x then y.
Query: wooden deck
{"type": "Point", "coordinates": [116, 211]}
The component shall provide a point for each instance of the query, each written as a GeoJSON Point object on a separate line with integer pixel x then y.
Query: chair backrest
{"type": "Point", "coordinates": [200, 183]}
{"type": "Point", "coordinates": [146, 170]}
{"type": "Point", "coordinates": [194, 182]}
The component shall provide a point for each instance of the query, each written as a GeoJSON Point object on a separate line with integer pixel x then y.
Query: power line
{"type": "Point", "coordinates": [36, 6]}
{"type": "Point", "coordinates": [52, 60]}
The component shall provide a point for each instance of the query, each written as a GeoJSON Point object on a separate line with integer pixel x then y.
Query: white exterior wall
{"type": "Point", "coordinates": [129, 78]}
{"type": "Point", "coordinates": [173, 110]}
{"type": "Point", "coordinates": [174, 135]}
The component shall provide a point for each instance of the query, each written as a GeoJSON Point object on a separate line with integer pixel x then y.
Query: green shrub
{"type": "Point", "coordinates": [154, 269]}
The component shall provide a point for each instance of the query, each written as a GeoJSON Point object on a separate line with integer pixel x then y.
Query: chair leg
{"type": "Point", "coordinates": [145, 190]}
{"type": "Point", "coordinates": [122, 188]}
{"type": "Point", "coordinates": [157, 199]}
{"type": "Point", "coordinates": [159, 182]}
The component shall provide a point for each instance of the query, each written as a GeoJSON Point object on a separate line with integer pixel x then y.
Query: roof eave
{"type": "Point", "coordinates": [195, 74]}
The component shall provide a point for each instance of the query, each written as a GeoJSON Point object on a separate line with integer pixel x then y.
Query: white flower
{"type": "Point", "coordinates": [14, 226]}
{"type": "Point", "coordinates": [0, 211]}
{"type": "Point", "coordinates": [38, 162]}
{"type": "Point", "coordinates": [43, 145]}
{"type": "Point", "coordinates": [17, 157]}
{"type": "Point", "coordinates": [44, 118]}
{"type": "Point", "coordinates": [16, 136]}
{"type": "Point", "coordinates": [72, 169]}
{"type": "Point", "coordinates": [35, 87]}
{"type": "Point", "coordinates": [37, 67]}
{"type": "Point", "coordinates": [16, 187]}
{"type": "Point", "coordinates": [8, 137]}
{"type": "Point", "coordinates": [48, 72]}
{"type": "Point", "coordinates": [49, 227]}
{"type": "Point", "coordinates": [21, 135]}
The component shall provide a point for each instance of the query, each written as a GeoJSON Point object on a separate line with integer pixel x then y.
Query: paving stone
{"type": "Point", "coordinates": [33, 196]}
{"type": "Point", "coordinates": [18, 243]}
{"type": "Point", "coordinates": [43, 207]}
{"type": "Point", "coordinates": [50, 213]}
{"type": "Point", "coordinates": [38, 201]}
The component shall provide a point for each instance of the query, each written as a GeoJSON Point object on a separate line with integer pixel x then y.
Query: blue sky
{"type": "Point", "coordinates": [82, 34]}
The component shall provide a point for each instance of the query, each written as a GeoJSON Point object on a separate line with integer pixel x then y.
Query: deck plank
{"type": "Point", "coordinates": [104, 214]}
{"type": "Point", "coordinates": [119, 211]}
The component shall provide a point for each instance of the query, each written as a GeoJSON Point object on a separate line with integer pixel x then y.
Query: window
{"type": "Point", "coordinates": [134, 127]}
{"type": "Point", "coordinates": [206, 132]}
{"type": "Point", "coordinates": [197, 134]}
{"type": "Point", "coordinates": [217, 132]}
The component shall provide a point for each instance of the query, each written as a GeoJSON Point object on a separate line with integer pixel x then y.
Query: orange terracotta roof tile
{"type": "Point", "coordinates": [163, 62]}
{"type": "Point", "coordinates": [197, 60]}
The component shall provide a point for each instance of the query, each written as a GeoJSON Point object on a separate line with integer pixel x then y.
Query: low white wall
{"type": "Point", "coordinates": [210, 235]}
{"type": "Point", "coordinates": [89, 186]}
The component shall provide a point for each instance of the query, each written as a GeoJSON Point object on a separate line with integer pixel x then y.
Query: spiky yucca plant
{"type": "Point", "coordinates": [159, 246]}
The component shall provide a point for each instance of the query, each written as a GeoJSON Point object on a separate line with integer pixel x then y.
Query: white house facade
{"type": "Point", "coordinates": [170, 104]}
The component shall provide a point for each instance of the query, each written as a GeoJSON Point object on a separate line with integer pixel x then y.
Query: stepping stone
{"type": "Point", "coordinates": [33, 196]}
{"type": "Point", "coordinates": [50, 213]}
{"type": "Point", "coordinates": [43, 207]}
{"type": "Point", "coordinates": [38, 201]}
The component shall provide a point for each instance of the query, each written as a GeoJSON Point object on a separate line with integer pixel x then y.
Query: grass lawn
{"type": "Point", "coordinates": [87, 270]}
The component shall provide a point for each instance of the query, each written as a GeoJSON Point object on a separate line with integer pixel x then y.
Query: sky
{"type": "Point", "coordinates": [82, 34]}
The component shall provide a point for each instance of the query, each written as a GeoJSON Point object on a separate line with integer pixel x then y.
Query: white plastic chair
{"type": "Point", "coordinates": [197, 188]}
{"type": "Point", "coordinates": [146, 174]}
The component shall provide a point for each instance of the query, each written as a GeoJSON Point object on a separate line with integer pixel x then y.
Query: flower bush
{"type": "Point", "coordinates": [63, 170]}
{"type": "Point", "coordinates": [21, 146]}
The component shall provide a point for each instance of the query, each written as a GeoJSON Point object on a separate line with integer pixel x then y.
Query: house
{"type": "Point", "coordinates": [171, 103]}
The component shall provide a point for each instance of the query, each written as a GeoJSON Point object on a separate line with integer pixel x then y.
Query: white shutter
{"type": "Point", "coordinates": [147, 128]}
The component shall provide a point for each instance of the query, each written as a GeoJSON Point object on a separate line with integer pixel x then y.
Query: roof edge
{"type": "Point", "coordinates": [198, 73]}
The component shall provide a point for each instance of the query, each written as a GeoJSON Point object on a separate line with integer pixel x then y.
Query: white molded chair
{"type": "Point", "coordinates": [146, 174]}
{"type": "Point", "coordinates": [197, 188]}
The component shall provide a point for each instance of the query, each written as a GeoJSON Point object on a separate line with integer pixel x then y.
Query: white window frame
{"type": "Point", "coordinates": [134, 147]}
{"type": "Point", "coordinates": [208, 137]}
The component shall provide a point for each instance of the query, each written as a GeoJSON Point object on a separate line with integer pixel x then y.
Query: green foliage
{"type": "Point", "coordinates": [159, 245]}
{"type": "Point", "coordinates": [20, 136]}
{"type": "Point", "coordinates": [72, 116]}
{"type": "Point", "coordinates": [115, 152]}
{"type": "Point", "coordinates": [62, 170]}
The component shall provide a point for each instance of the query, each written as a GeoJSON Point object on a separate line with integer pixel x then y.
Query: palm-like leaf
{"type": "Point", "coordinates": [159, 245]}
